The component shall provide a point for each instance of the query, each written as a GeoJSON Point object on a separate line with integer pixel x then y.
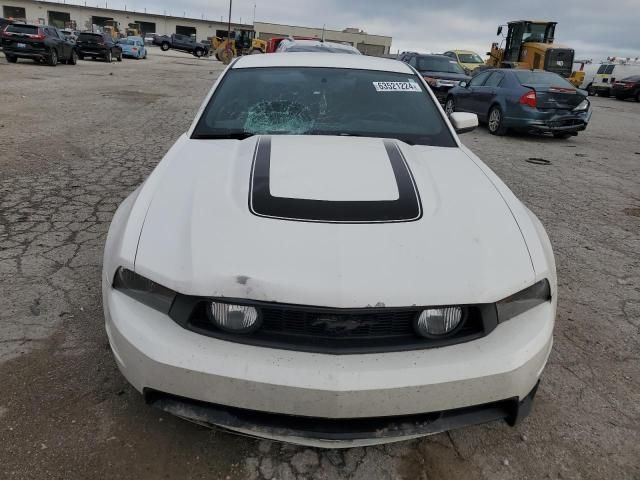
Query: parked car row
{"type": "Point", "coordinates": [50, 45]}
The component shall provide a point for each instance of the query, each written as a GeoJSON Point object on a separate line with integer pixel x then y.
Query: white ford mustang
{"type": "Point", "coordinates": [320, 260]}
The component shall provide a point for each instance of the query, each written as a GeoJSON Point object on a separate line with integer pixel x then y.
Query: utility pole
{"type": "Point", "coordinates": [229, 29]}
{"type": "Point", "coordinates": [254, 13]}
{"type": "Point", "coordinates": [227, 54]}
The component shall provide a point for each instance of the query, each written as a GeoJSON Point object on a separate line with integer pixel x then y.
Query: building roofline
{"type": "Point", "coordinates": [137, 12]}
{"type": "Point", "coordinates": [326, 29]}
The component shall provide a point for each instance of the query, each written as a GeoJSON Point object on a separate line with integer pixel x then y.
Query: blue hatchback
{"type": "Point", "coordinates": [526, 100]}
{"type": "Point", "coordinates": [133, 47]}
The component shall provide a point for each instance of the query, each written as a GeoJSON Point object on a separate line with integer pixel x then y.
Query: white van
{"type": "Point", "coordinates": [589, 70]}
{"type": "Point", "coordinates": [609, 72]}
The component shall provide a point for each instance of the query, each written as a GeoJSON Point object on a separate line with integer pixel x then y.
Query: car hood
{"type": "Point", "coordinates": [202, 235]}
{"type": "Point", "coordinates": [460, 77]}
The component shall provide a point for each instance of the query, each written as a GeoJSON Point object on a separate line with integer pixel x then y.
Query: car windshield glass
{"type": "Point", "coordinates": [127, 42]}
{"type": "Point", "coordinates": [527, 77]}
{"type": "Point", "coordinates": [26, 29]}
{"type": "Point", "coordinates": [469, 58]}
{"type": "Point", "coordinates": [323, 101]}
{"type": "Point", "coordinates": [439, 64]}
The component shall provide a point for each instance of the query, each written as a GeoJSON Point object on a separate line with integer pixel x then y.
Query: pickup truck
{"type": "Point", "coordinates": [182, 43]}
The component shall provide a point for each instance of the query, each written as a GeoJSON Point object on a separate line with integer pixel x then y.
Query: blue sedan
{"type": "Point", "coordinates": [525, 100]}
{"type": "Point", "coordinates": [133, 47]}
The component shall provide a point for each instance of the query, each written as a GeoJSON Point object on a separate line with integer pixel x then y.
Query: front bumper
{"type": "Point", "coordinates": [157, 355]}
{"type": "Point", "coordinates": [441, 92]}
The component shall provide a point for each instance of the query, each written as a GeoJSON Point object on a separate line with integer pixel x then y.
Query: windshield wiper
{"type": "Point", "coordinates": [223, 136]}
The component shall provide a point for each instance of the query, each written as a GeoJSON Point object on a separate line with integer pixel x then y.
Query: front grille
{"type": "Point", "coordinates": [358, 325]}
{"type": "Point", "coordinates": [336, 331]}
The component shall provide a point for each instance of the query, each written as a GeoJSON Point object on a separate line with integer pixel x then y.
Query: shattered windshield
{"type": "Point", "coordinates": [323, 101]}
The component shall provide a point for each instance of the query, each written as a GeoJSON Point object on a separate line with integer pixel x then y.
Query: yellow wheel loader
{"type": "Point", "coordinates": [243, 42]}
{"type": "Point", "coordinates": [530, 44]}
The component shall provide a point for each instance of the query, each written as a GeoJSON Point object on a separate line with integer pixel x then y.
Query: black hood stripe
{"type": "Point", "coordinates": [406, 208]}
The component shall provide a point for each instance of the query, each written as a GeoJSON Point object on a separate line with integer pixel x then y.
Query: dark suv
{"type": "Point", "coordinates": [441, 72]}
{"type": "Point", "coordinates": [39, 43]}
{"type": "Point", "coordinates": [98, 45]}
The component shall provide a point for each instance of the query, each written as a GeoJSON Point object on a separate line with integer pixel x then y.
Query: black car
{"type": "Point", "coordinates": [441, 72]}
{"type": "Point", "coordinates": [526, 100]}
{"type": "Point", "coordinates": [627, 88]}
{"type": "Point", "coordinates": [98, 45]}
{"type": "Point", "coordinates": [39, 43]}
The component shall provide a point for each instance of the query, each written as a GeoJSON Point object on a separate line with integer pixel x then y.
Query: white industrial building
{"type": "Point", "coordinates": [85, 17]}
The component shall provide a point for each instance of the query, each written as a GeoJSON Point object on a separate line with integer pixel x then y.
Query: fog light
{"type": "Point", "coordinates": [436, 322]}
{"type": "Point", "coordinates": [235, 318]}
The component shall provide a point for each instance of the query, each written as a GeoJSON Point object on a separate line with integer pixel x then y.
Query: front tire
{"type": "Point", "coordinates": [53, 58]}
{"type": "Point", "coordinates": [12, 59]}
{"type": "Point", "coordinates": [256, 51]}
{"type": "Point", "coordinates": [198, 52]}
{"type": "Point", "coordinates": [119, 57]}
{"type": "Point", "coordinates": [590, 91]}
{"type": "Point", "coordinates": [164, 47]}
{"type": "Point", "coordinates": [73, 59]}
{"type": "Point", "coordinates": [108, 57]}
{"type": "Point", "coordinates": [450, 106]}
{"type": "Point", "coordinates": [495, 121]}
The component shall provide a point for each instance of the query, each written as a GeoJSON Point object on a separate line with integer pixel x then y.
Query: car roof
{"type": "Point", "coordinates": [319, 59]}
{"type": "Point", "coordinates": [288, 43]}
{"type": "Point", "coordinates": [462, 51]}
{"type": "Point", "coordinates": [432, 55]}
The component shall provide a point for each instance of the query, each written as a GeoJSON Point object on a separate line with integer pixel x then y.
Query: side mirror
{"type": "Point", "coordinates": [499, 30]}
{"type": "Point", "coordinates": [463, 122]}
{"type": "Point", "coordinates": [463, 84]}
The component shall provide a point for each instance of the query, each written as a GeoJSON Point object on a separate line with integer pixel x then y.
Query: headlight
{"type": "Point", "coordinates": [144, 290]}
{"type": "Point", "coordinates": [234, 318]}
{"type": "Point", "coordinates": [524, 300]}
{"type": "Point", "coordinates": [436, 322]}
{"type": "Point", "coordinates": [583, 106]}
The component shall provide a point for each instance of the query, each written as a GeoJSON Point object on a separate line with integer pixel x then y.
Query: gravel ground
{"type": "Point", "coordinates": [74, 141]}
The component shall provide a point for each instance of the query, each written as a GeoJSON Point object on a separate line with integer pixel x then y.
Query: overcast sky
{"type": "Point", "coordinates": [595, 29]}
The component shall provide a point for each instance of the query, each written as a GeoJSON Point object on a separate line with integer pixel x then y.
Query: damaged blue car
{"type": "Point", "coordinates": [524, 100]}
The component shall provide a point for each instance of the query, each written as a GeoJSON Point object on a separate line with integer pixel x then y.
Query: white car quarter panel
{"type": "Point", "coordinates": [342, 170]}
{"type": "Point", "coordinates": [200, 237]}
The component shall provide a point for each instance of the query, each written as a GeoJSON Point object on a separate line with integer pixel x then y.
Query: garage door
{"type": "Point", "coordinates": [58, 19]}
{"type": "Point", "coordinates": [188, 31]}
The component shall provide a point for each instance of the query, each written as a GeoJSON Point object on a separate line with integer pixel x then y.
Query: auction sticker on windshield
{"type": "Point", "coordinates": [409, 86]}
